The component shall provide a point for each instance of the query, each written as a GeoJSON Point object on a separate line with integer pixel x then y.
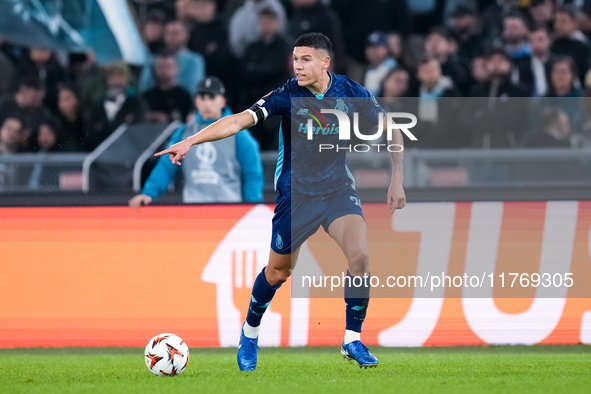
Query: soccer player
{"type": "Point", "coordinates": [329, 198]}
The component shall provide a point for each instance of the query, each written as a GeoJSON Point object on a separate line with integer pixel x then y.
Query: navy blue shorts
{"type": "Point", "coordinates": [295, 221]}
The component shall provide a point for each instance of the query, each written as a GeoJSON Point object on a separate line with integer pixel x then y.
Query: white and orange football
{"type": "Point", "coordinates": [166, 355]}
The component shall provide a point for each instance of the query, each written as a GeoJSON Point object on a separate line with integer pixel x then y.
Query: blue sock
{"type": "Point", "coordinates": [262, 294]}
{"type": "Point", "coordinates": [356, 302]}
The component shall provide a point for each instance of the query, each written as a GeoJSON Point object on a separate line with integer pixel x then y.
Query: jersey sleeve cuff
{"type": "Point", "coordinates": [259, 114]}
{"type": "Point", "coordinates": [254, 116]}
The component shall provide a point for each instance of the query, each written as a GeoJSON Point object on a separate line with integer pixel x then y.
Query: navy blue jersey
{"type": "Point", "coordinates": [301, 168]}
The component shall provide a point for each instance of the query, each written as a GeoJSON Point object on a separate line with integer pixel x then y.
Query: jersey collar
{"type": "Point", "coordinates": [321, 96]}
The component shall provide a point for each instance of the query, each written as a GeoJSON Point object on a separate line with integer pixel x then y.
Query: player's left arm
{"type": "Point", "coordinates": [396, 196]}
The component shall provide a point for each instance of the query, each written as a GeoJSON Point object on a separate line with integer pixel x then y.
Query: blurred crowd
{"type": "Point", "coordinates": [430, 57]}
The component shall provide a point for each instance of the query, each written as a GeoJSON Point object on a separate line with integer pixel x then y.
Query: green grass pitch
{"type": "Point", "coordinates": [491, 369]}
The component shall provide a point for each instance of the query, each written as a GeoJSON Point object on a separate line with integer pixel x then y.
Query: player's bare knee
{"type": "Point", "coordinates": [359, 262]}
{"type": "Point", "coordinates": [277, 276]}
{"type": "Point", "coordinates": [283, 274]}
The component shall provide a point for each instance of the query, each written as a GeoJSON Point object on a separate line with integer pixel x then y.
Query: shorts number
{"type": "Point", "coordinates": [355, 200]}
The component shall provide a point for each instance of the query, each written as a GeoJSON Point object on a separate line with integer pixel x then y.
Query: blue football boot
{"type": "Point", "coordinates": [359, 352]}
{"type": "Point", "coordinates": [247, 352]}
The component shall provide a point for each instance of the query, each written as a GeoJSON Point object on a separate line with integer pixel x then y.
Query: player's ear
{"type": "Point", "coordinates": [323, 56]}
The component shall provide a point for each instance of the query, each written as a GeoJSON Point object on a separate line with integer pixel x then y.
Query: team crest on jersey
{"type": "Point", "coordinates": [341, 106]}
{"type": "Point", "coordinates": [279, 242]}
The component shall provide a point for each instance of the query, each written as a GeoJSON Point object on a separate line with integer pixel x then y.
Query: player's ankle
{"type": "Point", "coordinates": [250, 331]}
{"type": "Point", "coordinates": [351, 336]}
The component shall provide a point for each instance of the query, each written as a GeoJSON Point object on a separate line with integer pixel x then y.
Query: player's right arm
{"type": "Point", "coordinates": [276, 102]}
{"type": "Point", "coordinates": [223, 128]}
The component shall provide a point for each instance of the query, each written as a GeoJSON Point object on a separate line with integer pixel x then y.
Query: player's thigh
{"type": "Point", "coordinates": [350, 233]}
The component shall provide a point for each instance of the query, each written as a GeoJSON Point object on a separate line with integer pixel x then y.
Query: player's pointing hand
{"type": "Point", "coordinates": [176, 152]}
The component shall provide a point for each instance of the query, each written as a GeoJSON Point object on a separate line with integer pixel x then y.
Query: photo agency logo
{"type": "Point", "coordinates": [317, 125]}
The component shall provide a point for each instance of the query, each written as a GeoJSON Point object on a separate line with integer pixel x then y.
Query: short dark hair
{"type": "Point", "coordinates": [517, 15]}
{"type": "Point", "coordinates": [426, 60]}
{"type": "Point", "coordinates": [69, 86]}
{"type": "Point", "coordinates": [180, 22]}
{"type": "Point", "coordinates": [30, 81]}
{"type": "Point", "coordinates": [440, 31]}
{"type": "Point", "coordinates": [540, 27]}
{"type": "Point", "coordinates": [569, 62]}
{"type": "Point", "coordinates": [497, 51]}
{"type": "Point", "coordinates": [537, 3]}
{"type": "Point", "coordinates": [480, 54]}
{"type": "Point", "coordinates": [156, 16]}
{"type": "Point", "coordinates": [567, 9]}
{"type": "Point", "coordinates": [314, 40]}
{"type": "Point", "coordinates": [166, 53]}
{"type": "Point", "coordinates": [397, 69]}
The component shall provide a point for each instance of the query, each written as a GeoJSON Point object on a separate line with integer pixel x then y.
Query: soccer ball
{"type": "Point", "coordinates": [166, 354]}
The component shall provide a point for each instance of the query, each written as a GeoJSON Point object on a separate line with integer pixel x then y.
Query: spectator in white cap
{"type": "Point", "coordinates": [228, 170]}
